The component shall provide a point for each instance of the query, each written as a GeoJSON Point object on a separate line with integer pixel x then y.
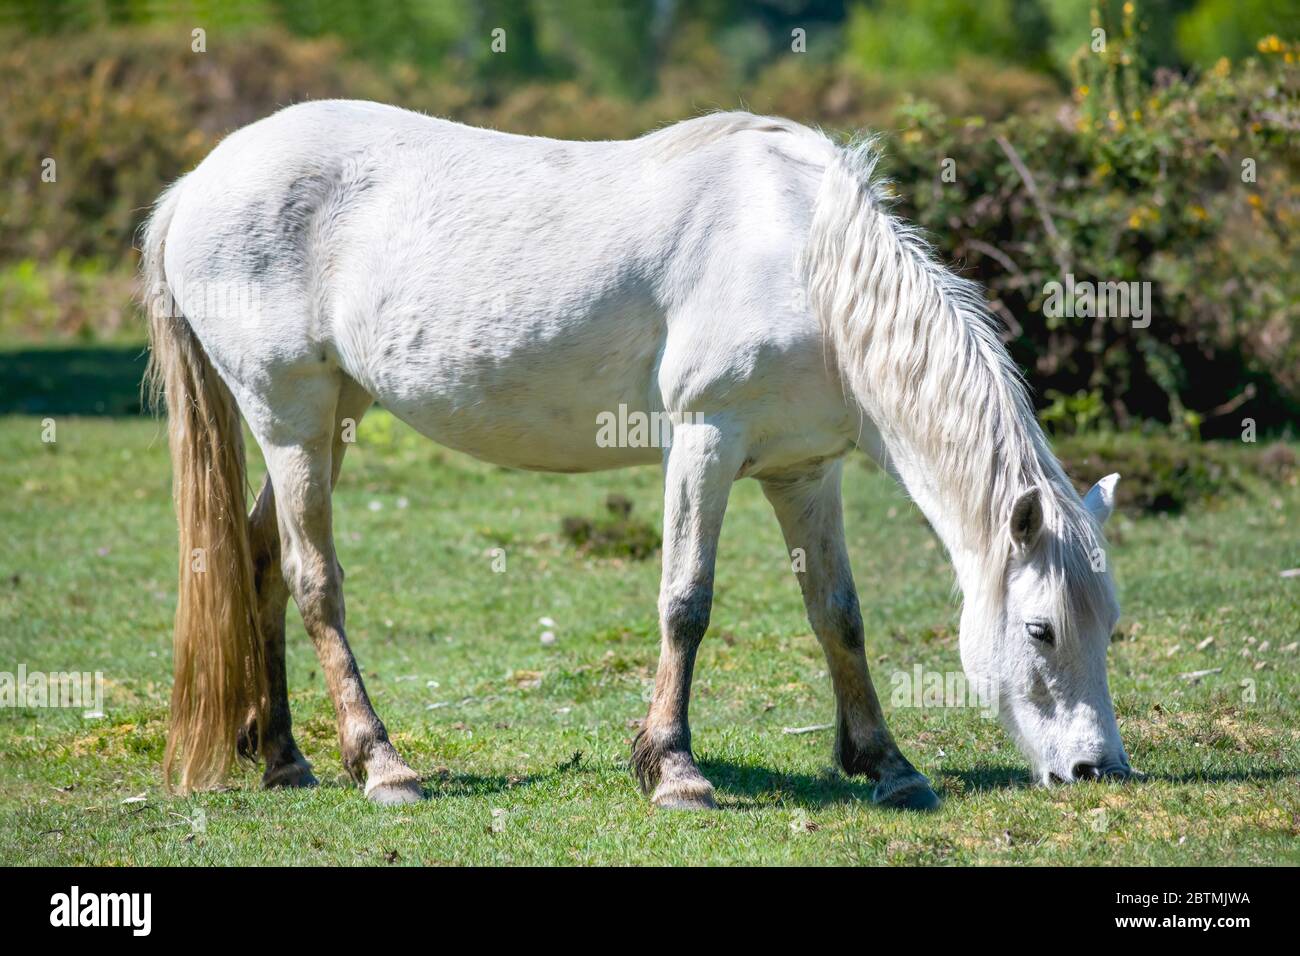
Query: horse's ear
{"type": "Point", "coordinates": [1026, 519]}
{"type": "Point", "coordinates": [1100, 499]}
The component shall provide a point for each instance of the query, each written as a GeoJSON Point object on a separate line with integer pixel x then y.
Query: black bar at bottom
{"type": "Point", "coordinates": [185, 905]}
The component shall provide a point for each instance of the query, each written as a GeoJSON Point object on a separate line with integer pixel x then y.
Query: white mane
{"type": "Point", "coordinates": [919, 351]}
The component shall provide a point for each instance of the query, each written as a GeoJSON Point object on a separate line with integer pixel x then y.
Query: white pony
{"type": "Point", "coordinates": [501, 294]}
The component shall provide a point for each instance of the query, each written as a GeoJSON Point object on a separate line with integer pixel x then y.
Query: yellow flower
{"type": "Point", "coordinates": [1222, 68]}
{"type": "Point", "coordinates": [1140, 216]}
{"type": "Point", "coordinates": [1082, 90]}
{"type": "Point", "coordinates": [1269, 44]}
{"type": "Point", "coordinates": [1198, 212]}
{"type": "Point", "coordinates": [1255, 201]}
{"type": "Point", "coordinates": [1128, 9]}
{"type": "Point", "coordinates": [912, 136]}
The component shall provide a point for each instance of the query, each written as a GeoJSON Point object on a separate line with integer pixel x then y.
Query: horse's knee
{"type": "Point", "coordinates": [685, 615]}
{"type": "Point", "coordinates": [839, 620]}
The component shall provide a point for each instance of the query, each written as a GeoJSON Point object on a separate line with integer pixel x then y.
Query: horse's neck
{"type": "Point", "coordinates": [964, 484]}
{"type": "Point", "coordinates": [967, 549]}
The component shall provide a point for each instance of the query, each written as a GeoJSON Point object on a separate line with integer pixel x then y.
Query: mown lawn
{"type": "Point", "coordinates": [524, 745]}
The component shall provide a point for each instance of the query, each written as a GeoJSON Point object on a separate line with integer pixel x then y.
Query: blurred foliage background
{"type": "Point", "coordinates": [1166, 153]}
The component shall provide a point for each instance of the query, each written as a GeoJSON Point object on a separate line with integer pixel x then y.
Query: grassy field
{"type": "Point", "coordinates": [524, 744]}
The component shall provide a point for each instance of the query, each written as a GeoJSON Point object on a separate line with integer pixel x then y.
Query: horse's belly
{"type": "Point", "coordinates": [550, 435]}
{"type": "Point", "coordinates": [530, 392]}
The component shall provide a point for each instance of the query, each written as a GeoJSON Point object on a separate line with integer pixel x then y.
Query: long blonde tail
{"type": "Point", "coordinates": [219, 680]}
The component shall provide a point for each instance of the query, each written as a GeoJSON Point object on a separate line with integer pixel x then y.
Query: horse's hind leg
{"type": "Point", "coordinates": [699, 470]}
{"type": "Point", "coordinates": [808, 506]}
{"type": "Point", "coordinates": [285, 764]}
{"type": "Point", "coordinates": [301, 451]}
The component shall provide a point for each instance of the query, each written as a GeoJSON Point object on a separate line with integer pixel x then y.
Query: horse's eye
{"type": "Point", "coordinates": [1041, 631]}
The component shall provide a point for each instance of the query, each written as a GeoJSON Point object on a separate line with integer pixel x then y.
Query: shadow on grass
{"type": "Point", "coordinates": [473, 784]}
{"type": "Point", "coordinates": [446, 782]}
{"type": "Point", "coordinates": [84, 380]}
{"type": "Point", "coordinates": [759, 786]}
{"type": "Point", "coordinates": [998, 777]}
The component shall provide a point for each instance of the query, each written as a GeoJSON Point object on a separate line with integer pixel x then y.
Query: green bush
{"type": "Point", "coordinates": [1134, 182]}
{"type": "Point", "coordinates": [1161, 474]}
{"type": "Point", "coordinates": [66, 299]}
{"type": "Point", "coordinates": [122, 113]}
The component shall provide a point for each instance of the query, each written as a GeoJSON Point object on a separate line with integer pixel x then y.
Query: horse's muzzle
{"type": "Point", "coordinates": [1087, 771]}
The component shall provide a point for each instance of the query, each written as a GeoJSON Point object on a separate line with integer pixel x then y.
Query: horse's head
{"type": "Point", "coordinates": [1040, 632]}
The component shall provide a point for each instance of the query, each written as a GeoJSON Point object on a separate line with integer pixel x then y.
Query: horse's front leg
{"type": "Point", "coordinates": [699, 469]}
{"type": "Point", "coordinates": [808, 506]}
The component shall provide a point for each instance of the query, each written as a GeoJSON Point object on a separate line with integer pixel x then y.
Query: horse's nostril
{"type": "Point", "coordinates": [1086, 771]}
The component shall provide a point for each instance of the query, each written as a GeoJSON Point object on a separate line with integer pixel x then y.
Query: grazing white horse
{"type": "Point", "coordinates": [499, 293]}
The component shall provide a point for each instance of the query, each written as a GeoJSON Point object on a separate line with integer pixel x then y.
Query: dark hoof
{"type": "Point", "coordinates": [909, 792]}
{"type": "Point", "coordinates": [289, 775]}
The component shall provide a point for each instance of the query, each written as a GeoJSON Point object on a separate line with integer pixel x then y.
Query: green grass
{"type": "Point", "coordinates": [87, 583]}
